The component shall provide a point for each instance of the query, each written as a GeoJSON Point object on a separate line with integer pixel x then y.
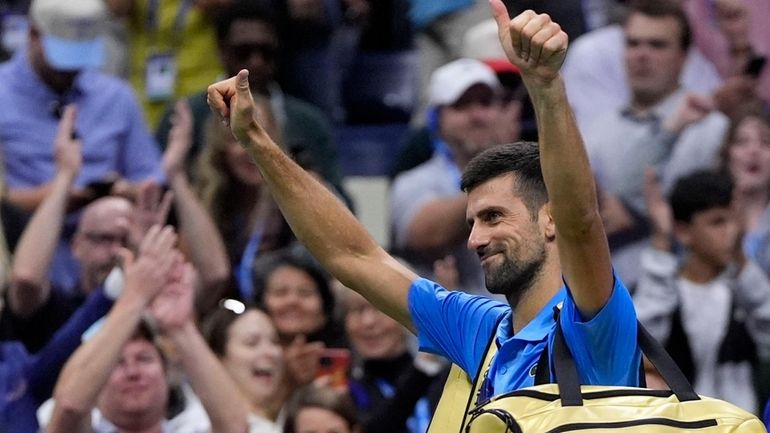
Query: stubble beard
{"type": "Point", "coordinates": [513, 279]}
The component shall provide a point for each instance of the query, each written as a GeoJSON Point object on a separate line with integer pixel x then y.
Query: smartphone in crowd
{"type": "Point", "coordinates": [334, 368]}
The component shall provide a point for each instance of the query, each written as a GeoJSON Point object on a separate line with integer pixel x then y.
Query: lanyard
{"type": "Point", "coordinates": [243, 271]}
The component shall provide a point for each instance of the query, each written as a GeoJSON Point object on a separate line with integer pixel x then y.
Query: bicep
{"type": "Point", "coordinates": [586, 266]}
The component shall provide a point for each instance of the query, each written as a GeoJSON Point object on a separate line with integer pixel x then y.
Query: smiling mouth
{"type": "Point", "coordinates": [263, 373]}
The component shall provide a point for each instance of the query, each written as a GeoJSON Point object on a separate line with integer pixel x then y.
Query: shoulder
{"type": "Point", "coordinates": [102, 85]}
{"type": "Point", "coordinates": [297, 109]}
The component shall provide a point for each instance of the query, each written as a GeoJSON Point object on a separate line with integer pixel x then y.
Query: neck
{"type": "Point", "coordinates": [698, 270]}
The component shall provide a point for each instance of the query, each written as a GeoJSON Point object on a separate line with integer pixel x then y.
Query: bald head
{"type": "Point", "coordinates": [102, 232]}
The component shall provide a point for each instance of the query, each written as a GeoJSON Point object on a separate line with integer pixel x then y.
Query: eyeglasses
{"type": "Point", "coordinates": [102, 238]}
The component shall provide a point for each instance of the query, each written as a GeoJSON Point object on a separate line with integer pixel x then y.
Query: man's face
{"type": "Point", "coordinates": [510, 243]}
{"type": "Point", "coordinates": [102, 233]}
{"type": "Point", "coordinates": [251, 45]}
{"type": "Point", "coordinates": [654, 56]}
{"type": "Point", "coordinates": [137, 390]}
{"type": "Point", "coordinates": [469, 125]}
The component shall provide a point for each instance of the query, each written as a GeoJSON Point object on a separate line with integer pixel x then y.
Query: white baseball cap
{"type": "Point", "coordinates": [72, 31]}
{"type": "Point", "coordinates": [450, 81]}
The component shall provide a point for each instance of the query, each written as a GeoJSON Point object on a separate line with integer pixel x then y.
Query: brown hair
{"type": "Point", "coordinates": [325, 398]}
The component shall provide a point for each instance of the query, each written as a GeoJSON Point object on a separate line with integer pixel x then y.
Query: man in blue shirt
{"type": "Point", "coordinates": [534, 224]}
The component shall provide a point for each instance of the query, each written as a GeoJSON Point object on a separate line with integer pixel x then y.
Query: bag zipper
{"type": "Point", "coordinates": [640, 422]}
{"type": "Point", "coordinates": [510, 423]}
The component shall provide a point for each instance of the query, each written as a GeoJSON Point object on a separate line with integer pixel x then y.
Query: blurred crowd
{"type": "Point", "coordinates": [150, 283]}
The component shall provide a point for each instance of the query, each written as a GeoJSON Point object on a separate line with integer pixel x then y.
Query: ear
{"type": "Point", "coordinates": [76, 244]}
{"type": "Point", "coordinates": [546, 222]}
{"type": "Point", "coordinates": [682, 233]}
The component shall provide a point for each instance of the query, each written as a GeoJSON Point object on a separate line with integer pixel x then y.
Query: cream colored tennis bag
{"type": "Point", "coordinates": [567, 406]}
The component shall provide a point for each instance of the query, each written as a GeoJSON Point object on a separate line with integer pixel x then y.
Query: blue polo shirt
{"type": "Point", "coordinates": [109, 123]}
{"type": "Point", "coordinates": [458, 326]}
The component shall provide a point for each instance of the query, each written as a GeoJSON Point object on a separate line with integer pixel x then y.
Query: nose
{"type": "Point", "coordinates": [477, 239]}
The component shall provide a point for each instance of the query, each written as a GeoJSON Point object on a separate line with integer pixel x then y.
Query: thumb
{"type": "Point", "coordinates": [500, 13]}
{"type": "Point", "coordinates": [242, 83]}
{"type": "Point", "coordinates": [67, 122]}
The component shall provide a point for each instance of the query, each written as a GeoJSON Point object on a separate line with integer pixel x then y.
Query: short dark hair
{"type": "Point", "coordinates": [700, 191]}
{"type": "Point", "coordinates": [661, 9]}
{"type": "Point", "coordinates": [297, 258]}
{"type": "Point", "coordinates": [522, 159]}
{"type": "Point", "coordinates": [246, 10]}
{"type": "Point", "coordinates": [339, 403]}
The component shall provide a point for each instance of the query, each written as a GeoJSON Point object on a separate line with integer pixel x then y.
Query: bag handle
{"type": "Point", "coordinates": [569, 381]}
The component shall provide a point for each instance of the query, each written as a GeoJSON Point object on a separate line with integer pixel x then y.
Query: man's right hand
{"type": "Point", "coordinates": [232, 102]}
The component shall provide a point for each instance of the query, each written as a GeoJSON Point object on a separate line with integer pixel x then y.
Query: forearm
{"type": "Point", "coordinates": [89, 368]}
{"type": "Point", "coordinates": [225, 407]}
{"type": "Point", "coordinates": [34, 253]}
{"type": "Point", "coordinates": [329, 231]}
{"type": "Point", "coordinates": [438, 225]}
{"type": "Point", "coordinates": [205, 246]}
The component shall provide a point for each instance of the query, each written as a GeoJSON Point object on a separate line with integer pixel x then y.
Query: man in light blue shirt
{"type": "Point", "coordinates": [58, 67]}
{"type": "Point", "coordinates": [534, 224]}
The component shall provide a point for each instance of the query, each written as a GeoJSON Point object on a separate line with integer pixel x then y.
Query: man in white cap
{"type": "Point", "coordinates": [65, 46]}
{"type": "Point", "coordinates": [427, 207]}
{"type": "Point", "coordinates": [58, 68]}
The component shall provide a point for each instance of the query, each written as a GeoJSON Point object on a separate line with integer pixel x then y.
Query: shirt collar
{"type": "Point", "coordinates": [537, 329]}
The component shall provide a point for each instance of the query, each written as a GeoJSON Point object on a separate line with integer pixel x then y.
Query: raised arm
{"type": "Point", "coordinates": [29, 287]}
{"type": "Point", "coordinates": [202, 241]}
{"type": "Point", "coordinates": [89, 368]}
{"type": "Point", "coordinates": [320, 221]}
{"type": "Point", "coordinates": [538, 46]}
{"type": "Point", "coordinates": [173, 311]}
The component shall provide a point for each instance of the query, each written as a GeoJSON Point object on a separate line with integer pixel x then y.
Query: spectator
{"type": "Point", "coordinates": [295, 293]}
{"type": "Point", "coordinates": [712, 308]}
{"type": "Point", "coordinates": [65, 45]}
{"type": "Point", "coordinates": [166, 42]}
{"type": "Point", "coordinates": [427, 207]}
{"type": "Point", "coordinates": [40, 81]}
{"type": "Point", "coordinates": [246, 217]}
{"type": "Point", "coordinates": [36, 309]}
{"type": "Point", "coordinates": [37, 304]}
{"type": "Point", "coordinates": [439, 26]}
{"type": "Point", "coordinates": [245, 341]}
{"type": "Point", "coordinates": [321, 410]}
{"type": "Point", "coordinates": [390, 386]}
{"type": "Point", "coordinates": [731, 33]}
{"type": "Point", "coordinates": [745, 158]}
{"type": "Point", "coordinates": [247, 39]}
{"type": "Point", "coordinates": [662, 126]}
{"type": "Point", "coordinates": [27, 379]}
{"type": "Point", "coordinates": [596, 75]}
{"type": "Point", "coordinates": [121, 371]}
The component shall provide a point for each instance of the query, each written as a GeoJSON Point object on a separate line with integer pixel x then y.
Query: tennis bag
{"type": "Point", "coordinates": [567, 406]}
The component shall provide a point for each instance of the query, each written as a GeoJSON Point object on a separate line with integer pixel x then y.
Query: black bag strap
{"type": "Point", "coordinates": [569, 381]}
